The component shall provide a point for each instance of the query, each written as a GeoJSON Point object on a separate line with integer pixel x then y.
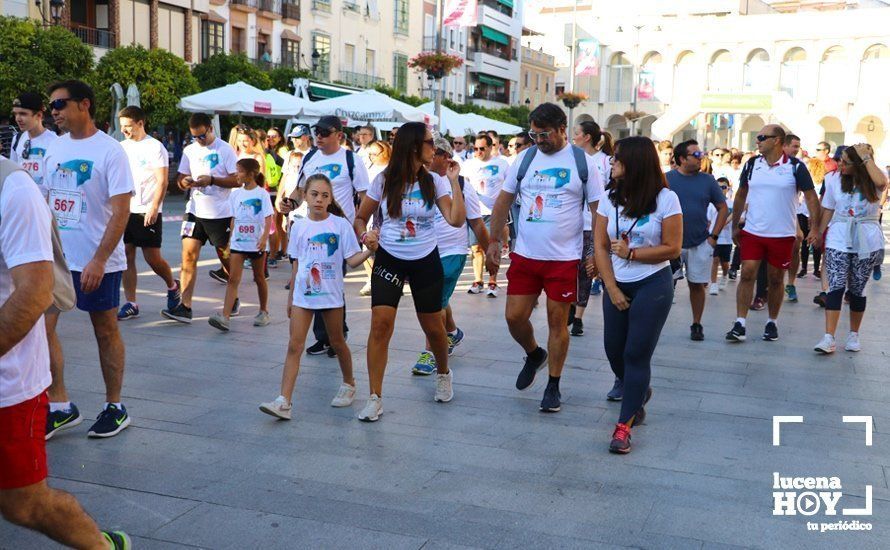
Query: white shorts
{"type": "Point", "coordinates": [697, 262]}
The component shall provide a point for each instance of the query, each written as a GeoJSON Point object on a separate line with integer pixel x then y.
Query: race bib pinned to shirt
{"type": "Point", "coordinates": [67, 206]}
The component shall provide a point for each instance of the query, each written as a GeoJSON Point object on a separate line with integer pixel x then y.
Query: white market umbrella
{"type": "Point", "coordinates": [452, 123]}
{"type": "Point", "coordinates": [243, 99]}
{"type": "Point", "coordinates": [480, 123]}
{"type": "Point", "coordinates": [367, 106]}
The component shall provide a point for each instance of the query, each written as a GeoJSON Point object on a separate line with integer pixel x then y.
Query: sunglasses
{"type": "Point", "coordinates": [430, 142]}
{"type": "Point", "coordinates": [201, 137]}
{"type": "Point", "coordinates": [459, 143]}
{"type": "Point", "coordinates": [26, 152]}
{"type": "Point", "coordinates": [537, 136]}
{"type": "Point", "coordinates": [761, 138]}
{"type": "Point", "coordinates": [59, 104]}
{"type": "Point", "coordinates": [480, 148]}
{"type": "Point", "coordinates": [697, 154]}
{"type": "Point", "coordinates": [323, 132]}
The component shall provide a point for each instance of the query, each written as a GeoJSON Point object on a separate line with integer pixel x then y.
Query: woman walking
{"type": "Point", "coordinates": [854, 243]}
{"type": "Point", "coordinates": [407, 194]}
{"type": "Point", "coordinates": [638, 231]}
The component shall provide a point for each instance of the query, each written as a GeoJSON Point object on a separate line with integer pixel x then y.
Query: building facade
{"type": "Point", "coordinates": [538, 77]}
{"type": "Point", "coordinates": [452, 40]}
{"type": "Point", "coordinates": [493, 54]}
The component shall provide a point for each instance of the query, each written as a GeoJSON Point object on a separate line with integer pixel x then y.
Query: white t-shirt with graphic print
{"type": "Point", "coordinates": [250, 209]}
{"type": "Point", "coordinates": [853, 205]}
{"type": "Point", "coordinates": [551, 220]}
{"type": "Point", "coordinates": [146, 156]}
{"type": "Point", "coordinates": [218, 160]}
{"type": "Point", "coordinates": [336, 169]}
{"type": "Point", "coordinates": [35, 149]}
{"type": "Point", "coordinates": [320, 247]}
{"type": "Point", "coordinates": [487, 178]}
{"type": "Point", "coordinates": [455, 240]}
{"type": "Point", "coordinates": [413, 235]}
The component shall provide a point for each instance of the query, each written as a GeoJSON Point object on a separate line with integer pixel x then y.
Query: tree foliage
{"type": "Point", "coordinates": [283, 78]}
{"type": "Point", "coordinates": [222, 69]}
{"type": "Point", "coordinates": [162, 78]}
{"type": "Point", "coordinates": [32, 58]}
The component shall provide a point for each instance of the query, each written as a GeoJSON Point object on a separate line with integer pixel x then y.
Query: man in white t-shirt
{"type": "Point", "coordinates": [89, 187]}
{"type": "Point", "coordinates": [767, 194]}
{"type": "Point", "coordinates": [349, 178]}
{"type": "Point", "coordinates": [486, 174]}
{"type": "Point", "coordinates": [552, 194]}
{"type": "Point", "coordinates": [207, 171]}
{"type": "Point", "coordinates": [29, 147]}
{"type": "Point", "coordinates": [461, 152]}
{"type": "Point", "coordinates": [365, 135]}
{"type": "Point", "coordinates": [26, 291]}
{"type": "Point", "coordinates": [148, 162]}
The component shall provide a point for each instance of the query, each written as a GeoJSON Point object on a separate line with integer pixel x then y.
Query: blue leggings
{"type": "Point", "coordinates": [631, 335]}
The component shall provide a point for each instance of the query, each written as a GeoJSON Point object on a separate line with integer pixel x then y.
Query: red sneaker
{"type": "Point", "coordinates": [620, 439]}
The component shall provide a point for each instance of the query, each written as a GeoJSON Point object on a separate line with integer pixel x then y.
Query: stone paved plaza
{"type": "Point", "coordinates": [202, 467]}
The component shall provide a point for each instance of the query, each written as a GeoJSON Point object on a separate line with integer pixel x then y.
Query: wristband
{"type": "Point", "coordinates": [211, 180]}
{"type": "Point", "coordinates": [713, 236]}
{"type": "Point", "coordinates": [362, 237]}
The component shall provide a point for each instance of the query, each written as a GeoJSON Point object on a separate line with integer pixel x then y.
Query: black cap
{"type": "Point", "coordinates": [29, 100]}
{"type": "Point", "coordinates": [329, 122]}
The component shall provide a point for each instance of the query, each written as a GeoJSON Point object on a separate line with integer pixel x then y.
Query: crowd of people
{"type": "Point", "coordinates": [576, 212]}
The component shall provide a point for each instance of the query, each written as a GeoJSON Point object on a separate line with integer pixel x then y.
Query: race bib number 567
{"type": "Point", "coordinates": [67, 206]}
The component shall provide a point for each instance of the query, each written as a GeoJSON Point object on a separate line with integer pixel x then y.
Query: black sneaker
{"type": "Point", "coordinates": [62, 420]}
{"type": "Point", "coordinates": [577, 327]}
{"type": "Point", "coordinates": [118, 540]}
{"type": "Point", "coordinates": [819, 299]}
{"type": "Point", "coordinates": [732, 274]}
{"type": "Point", "coordinates": [551, 403]}
{"type": "Point", "coordinates": [617, 391]}
{"type": "Point", "coordinates": [317, 348]}
{"type": "Point", "coordinates": [571, 315]}
{"type": "Point", "coordinates": [640, 417]}
{"type": "Point", "coordinates": [817, 273]}
{"type": "Point", "coordinates": [737, 334]}
{"type": "Point", "coordinates": [110, 422]}
{"type": "Point", "coordinates": [331, 353]}
{"type": "Point", "coordinates": [531, 367]}
{"type": "Point", "coordinates": [179, 313]}
{"type": "Point", "coordinates": [771, 332]}
{"type": "Point", "coordinates": [236, 308]}
{"type": "Point", "coordinates": [220, 276]}
{"type": "Point", "coordinates": [697, 332]}
{"type": "Point", "coordinates": [802, 273]}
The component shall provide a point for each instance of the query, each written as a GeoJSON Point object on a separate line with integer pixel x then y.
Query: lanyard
{"type": "Point", "coordinates": [618, 233]}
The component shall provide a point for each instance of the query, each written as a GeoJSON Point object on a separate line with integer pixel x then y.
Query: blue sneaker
{"type": "Point", "coordinates": [62, 420]}
{"type": "Point", "coordinates": [174, 297]}
{"type": "Point", "coordinates": [876, 273]}
{"type": "Point", "coordinates": [426, 364]}
{"type": "Point", "coordinates": [791, 291]}
{"type": "Point", "coordinates": [272, 263]}
{"type": "Point", "coordinates": [454, 340]}
{"type": "Point", "coordinates": [110, 422]}
{"type": "Point", "coordinates": [617, 391]}
{"type": "Point", "coordinates": [128, 311]}
{"type": "Point", "coordinates": [597, 288]}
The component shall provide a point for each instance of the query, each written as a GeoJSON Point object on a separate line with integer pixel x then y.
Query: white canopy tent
{"type": "Point", "coordinates": [369, 106]}
{"type": "Point", "coordinates": [459, 124]}
{"type": "Point", "coordinates": [243, 99]}
{"type": "Point", "coordinates": [481, 124]}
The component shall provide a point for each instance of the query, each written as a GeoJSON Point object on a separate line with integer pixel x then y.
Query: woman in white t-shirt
{"type": "Point", "coordinates": [407, 194]}
{"type": "Point", "coordinates": [854, 243]}
{"type": "Point", "coordinates": [638, 231]}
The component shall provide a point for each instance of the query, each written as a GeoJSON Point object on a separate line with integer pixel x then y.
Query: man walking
{"type": "Point", "coordinates": [26, 291]}
{"type": "Point", "coordinates": [90, 185]}
{"type": "Point", "coordinates": [207, 170]}
{"type": "Point", "coordinates": [696, 191]}
{"type": "Point", "coordinates": [553, 185]}
{"type": "Point", "coordinates": [769, 185]}
{"type": "Point", "coordinates": [148, 163]}
{"type": "Point", "coordinates": [29, 147]}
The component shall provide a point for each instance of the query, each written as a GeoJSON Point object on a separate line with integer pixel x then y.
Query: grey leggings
{"type": "Point", "coordinates": [631, 335]}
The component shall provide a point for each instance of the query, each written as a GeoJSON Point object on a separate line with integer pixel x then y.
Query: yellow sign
{"type": "Point", "coordinates": [736, 103]}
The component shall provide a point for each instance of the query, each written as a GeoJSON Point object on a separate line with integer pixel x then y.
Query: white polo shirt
{"type": "Point", "coordinates": [772, 195]}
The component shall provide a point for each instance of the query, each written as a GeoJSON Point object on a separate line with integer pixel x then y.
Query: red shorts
{"type": "Point", "coordinates": [776, 251]}
{"type": "Point", "coordinates": [23, 443]}
{"type": "Point", "coordinates": [559, 279]}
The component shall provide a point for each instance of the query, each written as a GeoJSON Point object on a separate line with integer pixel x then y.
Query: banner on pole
{"type": "Point", "coordinates": [646, 89]}
{"type": "Point", "coordinates": [587, 62]}
{"type": "Point", "coordinates": [460, 13]}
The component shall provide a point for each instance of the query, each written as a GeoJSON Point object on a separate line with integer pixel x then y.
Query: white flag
{"type": "Point", "coordinates": [460, 13]}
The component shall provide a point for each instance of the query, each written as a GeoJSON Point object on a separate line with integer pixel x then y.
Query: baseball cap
{"type": "Point", "coordinates": [298, 131]}
{"type": "Point", "coordinates": [441, 143]}
{"type": "Point", "coordinates": [29, 100]}
{"type": "Point", "coordinates": [329, 122]}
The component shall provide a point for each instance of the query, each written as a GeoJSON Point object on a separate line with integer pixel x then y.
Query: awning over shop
{"type": "Point", "coordinates": [495, 36]}
{"type": "Point", "coordinates": [508, 3]}
{"type": "Point", "coordinates": [491, 80]}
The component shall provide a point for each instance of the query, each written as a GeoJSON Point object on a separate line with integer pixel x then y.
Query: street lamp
{"type": "Point", "coordinates": [55, 11]}
{"type": "Point", "coordinates": [528, 103]}
{"type": "Point", "coordinates": [316, 57]}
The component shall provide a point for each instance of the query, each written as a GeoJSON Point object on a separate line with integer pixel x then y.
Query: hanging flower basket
{"type": "Point", "coordinates": [435, 64]}
{"type": "Point", "coordinates": [572, 99]}
{"type": "Point", "coordinates": [634, 115]}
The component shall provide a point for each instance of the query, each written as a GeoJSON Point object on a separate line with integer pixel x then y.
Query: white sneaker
{"type": "Point", "coordinates": [444, 391]}
{"type": "Point", "coordinates": [827, 345]}
{"type": "Point", "coordinates": [723, 282]}
{"type": "Point", "coordinates": [492, 290]}
{"type": "Point", "coordinates": [713, 289]}
{"type": "Point", "coordinates": [279, 408]}
{"type": "Point", "coordinates": [853, 342]}
{"type": "Point", "coordinates": [345, 396]}
{"type": "Point", "coordinates": [365, 290]}
{"type": "Point", "coordinates": [262, 319]}
{"type": "Point", "coordinates": [373, 409]}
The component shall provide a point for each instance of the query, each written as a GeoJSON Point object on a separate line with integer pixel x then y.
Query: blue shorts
{"type": "Point", "coordinates": [452, 266]}
{"type": "Point", "coordinates": [107, 296]}
{"type": "Point", "coordinates": [486, 219]}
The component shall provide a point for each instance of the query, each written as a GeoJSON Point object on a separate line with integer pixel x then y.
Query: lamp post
{"type": "Point", "coordinates": [55, 11]}
{"type": "Point", "coordinates": [528, 103]}
{"type": "Point", "coordinates": [316, 57]}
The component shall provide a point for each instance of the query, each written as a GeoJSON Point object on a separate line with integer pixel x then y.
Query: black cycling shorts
{"type": "Point", "coordinates": [425, 276]}
{"type": "Point", "coordinates": [202, 229]}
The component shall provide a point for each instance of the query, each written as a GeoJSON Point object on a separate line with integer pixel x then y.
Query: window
{"type": "Point", "coordinates": [537, 82]}
{"type": "Point", "coordinates": [349, 57]}
{"type": "Point", "coordinates": [290, 53]}
{"type": "Point", "coordinates": [790, 73]}
{"type": "Point", "coordinates": [525, 78]}
{"type": "Point", "coordinates": [212, 39]}
{"type": "Point", "coordinates": [721, 72]}
{"type": "Point", "coordinates": [321, 5]}
{"type": "Point", "coordinates": [237, 40]}
{"type": "Point", "coordinates": [757, 71]}
{"type": "Point", "coordinates": [370, 62]}
{"type": "Point", "coordinates": [321, 43]}
{"type": "Point", "coordinates": [620, 78]}
{"type": "Point", "coordinates": [401, 16]}
{"type": "Point", "coordinates": [833, 65]}
{"type": "Point", "coordinates": [547, 85]}
{"type": "Point", "coordinates": [400, 72]}
{"type": "Point", "coordinates": [873, 70]}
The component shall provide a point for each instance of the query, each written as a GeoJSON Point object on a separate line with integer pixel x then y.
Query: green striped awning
{"type": "Point", "coordinates": [491, 80]}
{"type": "Point", "coordinates": [495, 36]}
{"type": "Point", "coordinates": [508, 3]}
{"type": "Point", "coordinates": [327, 91]}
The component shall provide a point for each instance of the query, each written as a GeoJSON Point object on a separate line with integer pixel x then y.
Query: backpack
{"type": "Point", "coordinates": [580, 163]}
{"type": "Point", "coordinates": [748, 169]}
{"type": "Point", "coordinates": [64, 297]}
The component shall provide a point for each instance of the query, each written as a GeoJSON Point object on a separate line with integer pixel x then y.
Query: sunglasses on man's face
{"type": "Point", "coordinates": [323, 132]}
{"type": "Point", "coordinates": [201, 137]}
{"type": "Point", "coordinates": [59, 104]}
{"type": "Point", "coordinates": [537, 136]}
{"type": "Point", "coordinates": [761, 138]}
{"type": "Point", "coordinates": [697, 154]}
{"type": "Point", "coordinates": [458, 143]}
{"type": "Point", "coordinates": [480, 148]}
{"type": "Point", "coordinates": [724, 187]}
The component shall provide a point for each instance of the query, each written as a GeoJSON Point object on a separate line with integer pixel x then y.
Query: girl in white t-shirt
{"type": "Point", "coordinates": [319, 244]}
{"type": "Point", "coordinates": [854, 242]}
{"type": "Point", "coordinates": [639, 229]}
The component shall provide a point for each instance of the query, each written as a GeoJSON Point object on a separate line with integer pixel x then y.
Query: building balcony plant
{"type": "Point", "coordinates": [572, 99]}
{"type": "Point", "coordinates": [435, 64]}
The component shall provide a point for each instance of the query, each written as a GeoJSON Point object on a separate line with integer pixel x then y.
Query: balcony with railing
{"type": "Point", "coordinates": [271, 7]}
{"type": "Point", "coordinates": [489, 95]}
{"type": "Point", "coordinates": [323, 6]}
{"type": "Point", "coordinates": [352, 6]}
{"type": "Point", "coordinates": [499, 6]}
{"type": "Point", "coordinates": [537, 57]}
{"type": "Point", "coordinates": [100, 38]}
{"type": "Point", "coordinates": [290, 9]}
{"type": "Point", "coordinates": [360, 80]}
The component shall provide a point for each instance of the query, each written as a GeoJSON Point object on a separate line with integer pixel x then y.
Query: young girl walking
{"type": "Point", "coordinates": [319, 243]}
{"type": "Point", "coordinates": [249, 232]}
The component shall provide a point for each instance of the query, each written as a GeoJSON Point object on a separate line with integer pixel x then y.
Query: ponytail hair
{"type": "Point", "coordinates": [252, 166]}
{"type": "Point", "coordinates": [333, 208]}
{"type": "Point", "coordinates": [608, 144]}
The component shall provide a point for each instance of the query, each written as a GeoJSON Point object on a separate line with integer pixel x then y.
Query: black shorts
{"type": "Point", "coordinates": [425, 276]}
{"type": "Point", "coordinates": [138, 235]}
{"type": "Point", "coordinates": [723, 251]}
{"type": "Point", "coordinates": [250, 255]}
{"type": "Point", "coordinates": [216, 231]}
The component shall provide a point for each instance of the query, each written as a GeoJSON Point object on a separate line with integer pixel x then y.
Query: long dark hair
{"type": "Point", "coordinates": [608, 145]}
{"type": "Point", "coordinates": [592, 129]}
{"type": "Point", "coordinates": [405, 167]}
{"type": "Point", "coordinates": [637, 190]}
{"type": "Point", "coordinates": [333, 208]}
{"type": "Point", "coordinates": [859, 179]}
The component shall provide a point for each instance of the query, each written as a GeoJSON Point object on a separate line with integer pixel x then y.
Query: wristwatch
{"type": "Point", "coordinates": [713, 236]}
